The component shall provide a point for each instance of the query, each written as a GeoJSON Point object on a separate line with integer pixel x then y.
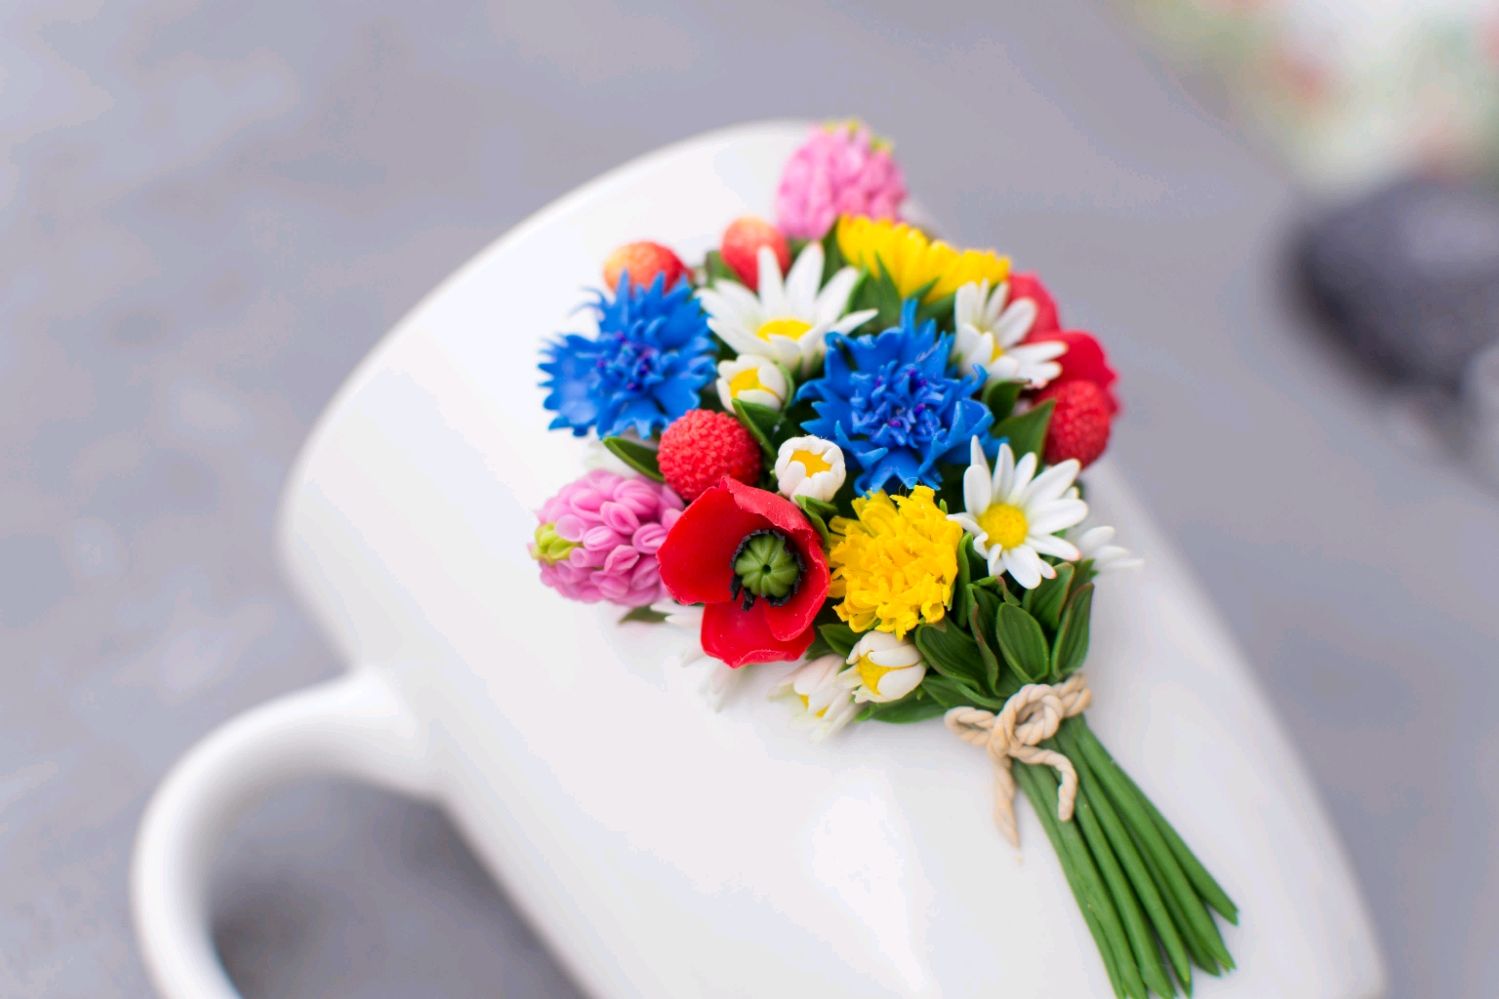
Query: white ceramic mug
{"type": "Point", "coordinates": [661, 848]}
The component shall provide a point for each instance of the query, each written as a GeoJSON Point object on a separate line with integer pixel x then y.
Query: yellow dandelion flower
{"type": "Point", "coordinates": [912, 260]}
{"type": "Point", "coordinates": [894, 562]}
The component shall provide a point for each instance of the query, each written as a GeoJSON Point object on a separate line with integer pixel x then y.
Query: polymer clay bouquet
{"type": "Point", "coordinates": [844, 444]}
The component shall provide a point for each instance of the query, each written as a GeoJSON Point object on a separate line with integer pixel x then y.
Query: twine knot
{"type": "Point", "coordinates": [1030, 717]}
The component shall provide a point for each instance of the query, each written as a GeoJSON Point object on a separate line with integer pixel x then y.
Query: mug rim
{"type": "Point", "coordinates": [298, 473]}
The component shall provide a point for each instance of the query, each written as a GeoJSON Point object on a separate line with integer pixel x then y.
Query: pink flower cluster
{"type": "Point", "coordinates": [839, 170]}
{"type": "Point", "coordinates": [599, 535]}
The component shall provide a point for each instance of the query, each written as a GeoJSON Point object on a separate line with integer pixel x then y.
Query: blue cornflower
{"type": "Point", "coordinates": [896, 404]}
{"type": "Point", "coordinates": [646, 366]}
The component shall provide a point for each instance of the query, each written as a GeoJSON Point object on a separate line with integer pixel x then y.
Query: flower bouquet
{"type": "Point", "coordinates": [842, 444]}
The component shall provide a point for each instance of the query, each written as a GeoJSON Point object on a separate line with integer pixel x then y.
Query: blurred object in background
{"type": "Point", "coordinates": [1392, 105]}
{"type": "Point", "coordinates": [1354, 91]}
{"type": "Point", "coordinates": [1480, 414]}
{"type": "Point", "coordinates": [1407, 278]}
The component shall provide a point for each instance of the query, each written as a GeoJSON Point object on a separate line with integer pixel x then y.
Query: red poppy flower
{"type": "Point", "coordinates": [1084, 361]}
{"type": "Point", "coordinates": [756, 563]}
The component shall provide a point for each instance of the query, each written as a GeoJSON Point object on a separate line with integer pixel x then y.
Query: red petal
{"type": "Point", "coordinates": [1029, 286]}
{"type": "Point", "coordinates": [697, 556]}
{"type": "Point", "coordinates": [795, 616]}
{"type": "Point", "coordinates": [788, 621]}
{"type": "Point", "coordinates": [1084, 361]}
{"type": "Point", "coordinates": [739, 637]}
{"type": "Point", "coordinates": [780, 511]}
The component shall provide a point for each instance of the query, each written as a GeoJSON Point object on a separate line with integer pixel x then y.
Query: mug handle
{"type": "Point", "coordinates": [355, 726]}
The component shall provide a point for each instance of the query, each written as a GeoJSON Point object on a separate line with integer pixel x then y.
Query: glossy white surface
{"type": "Point", "coordinates": [667, 850]}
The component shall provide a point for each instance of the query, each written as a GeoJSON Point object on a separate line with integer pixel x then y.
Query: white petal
{"type": "Point", "coordinates": [897, 657]}
{"type": "Point", "coordinates": [977, 494]}
{"type": "Point", "coordinates": [967, 521]}
{"type": "Point", "coordinates": [965, 305]}
{"type": "Point", "coordinates": [853, 321]}
{"type": "Point", "coordinates": [1094, 538]}
{"type": "Point", "coordinates": [1050, 544]}
{"type": "Point", "coordinates": [1050, 484]}
{"type": "Point", "coordinates": [894, 686]}
{"type": "Point", "coordinates": [1016, 322]}
{"type": "Point", "coordinates": [738, 338]}
{"type": "Point", "coordinates": [1004, 474]}
{"type": "Point", "coordinates": [1025, 470]}
{"type": "Point", "coordinates": [1057, 515]}
{"type": "Point", "coordinates": [1024, 566]}
{"type": "Point", "coordinates": [1004, 368]}
{"type": "Point", "coordinates": [729, 300]}
{"type": "Point", "coordinates": [834, 295]}
{"type": "Point", "coordinates": [802, 282]}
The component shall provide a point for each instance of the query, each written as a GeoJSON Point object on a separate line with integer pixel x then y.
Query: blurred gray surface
{"type": "Point", "coordinates": [208, 214]}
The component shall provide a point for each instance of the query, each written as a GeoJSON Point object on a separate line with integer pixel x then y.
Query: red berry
{"type": "Point", "coordinates": [701, 447]}
{"type": "Point", "coordinates": [741, 247]}
{"type": "Point", "coordinates": [1079, 424]}
{"type": "Point", "coordinates": [1084, 361]}
{"type": "Point", "coordinates": [644, 261]}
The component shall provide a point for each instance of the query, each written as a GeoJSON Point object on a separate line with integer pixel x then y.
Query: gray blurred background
{"type": "Point", "coordinates": [208, 214]}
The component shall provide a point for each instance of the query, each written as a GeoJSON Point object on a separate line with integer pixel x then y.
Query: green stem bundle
{"type": "Point", "coordinates": [1145, 896]}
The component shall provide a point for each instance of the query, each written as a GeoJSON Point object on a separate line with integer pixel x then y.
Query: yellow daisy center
{"type": "Point", "coordinates": [811, 461]}
{"type": "Point", "coordinates": [787, 326]}
{"type": "Point", "coordinates": [871, 673]}
{"type": "Point", "coordinates": [747, 379]}
{"type": "Point", "coordinates": [1005, 524]}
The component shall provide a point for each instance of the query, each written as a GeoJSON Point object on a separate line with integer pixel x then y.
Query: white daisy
{"type": "Point", "coordinates": [752, 378]}
{"type": "Point", "coordinates": [810, 466]}
{"type": "Point", "coordinates": [1015, 514]}
{"type": "Point", "coordinates": [826, 704]}
{"type": "Point", "coordinates": [1096, 543]}
{"type": "Point", "coordinates": [787, 321]}
{"type": "Point", "coordinates": [989, 335]}
{"type": "Point", "coordinates": [882, 668]}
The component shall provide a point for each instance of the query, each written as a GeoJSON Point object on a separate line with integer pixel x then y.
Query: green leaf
{"type": "Point", "coordinates": [761, 422]}
{"type": "Point", "coordinates": [817, 649]}
{"type": "Point", "coordinates": [1045, 601]}
{"type": "Point", "coordinates": [818, 513]}
{"type": "Point", "coordinates": [637, 455]}
{"type": "Point", "coordinates": [952, 693]}
{"type": "Point", "coordinates": [1000, 397]}
{"type": "Point", "coordinates": [962, 602]}
{"type": "Point", "coordinates": [997, 584]}
{"type": "Point", "coordinates": [1027, 431]}
{"type": "Point", "coordinates": [1022, 643]}
{"type": "Point", "coordinates": [832, 257]}
{"type": "Point", "coordinates": [939, 309]}
{"type": "Point", "coordinates": [645, 615]}
{"type": "Point", "coordinates": [914, 707]}
{"type": "Point", "coordinates": [881, 294]}
{"type": "Point", "coordinates": [981, 621]}
{"type": "Point", "coordinates": [839, 636]}
{"type": "Point", "coordinates": [1071, 646]}
{"type": "Point", "coordinates": [714, 269]}
{"type": "Point", "coordinates": [1085, 573]}
{"type": "Point", "coordinates": [950, 651]}
{"type": "Point", "coordinates": [824, 509]}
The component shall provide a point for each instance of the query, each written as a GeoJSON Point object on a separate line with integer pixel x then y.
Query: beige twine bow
{"type": "Point", "coordinates": [1030, 717]}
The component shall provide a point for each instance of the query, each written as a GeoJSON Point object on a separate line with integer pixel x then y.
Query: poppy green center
{"type": "Point", "coordinates": [767, 565]}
